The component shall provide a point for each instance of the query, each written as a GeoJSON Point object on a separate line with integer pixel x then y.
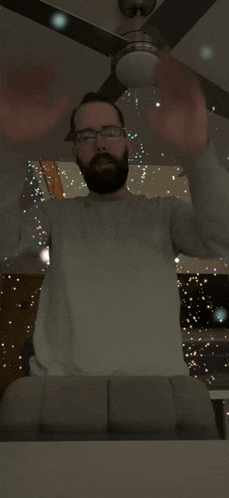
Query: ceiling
{"type": "Point", "coordinates": [80, 70]}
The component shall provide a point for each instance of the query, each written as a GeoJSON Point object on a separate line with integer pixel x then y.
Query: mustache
{"type": "Point", "coordinates": [106, 158]}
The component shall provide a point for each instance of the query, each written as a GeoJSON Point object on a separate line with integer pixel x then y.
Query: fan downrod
{"type": "Point", "coordinates": [130, 8]}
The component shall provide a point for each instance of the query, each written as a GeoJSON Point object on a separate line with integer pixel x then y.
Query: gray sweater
{"type": "Point", "coordinates": [109, 303]}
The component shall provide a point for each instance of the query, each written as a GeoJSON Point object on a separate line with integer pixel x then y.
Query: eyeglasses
{"type": "Point", "coordinates": [108, 132]}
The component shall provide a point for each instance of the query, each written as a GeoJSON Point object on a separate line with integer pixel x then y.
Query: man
{"type": "Point", "coordinates": [109, 303]}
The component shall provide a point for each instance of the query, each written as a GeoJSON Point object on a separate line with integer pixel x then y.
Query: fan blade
{"type": "Point", "coordinates": [174, 19]}
{"type": "Point", "coordinates": [77, 29]}
{"type": "Point", "coordinates": [215, 95]}
{"type": "Point", "coordinates": [112, 88]}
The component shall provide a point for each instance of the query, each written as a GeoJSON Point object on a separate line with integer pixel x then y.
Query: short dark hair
{"type": "Point", "coordinates": [95, 97]}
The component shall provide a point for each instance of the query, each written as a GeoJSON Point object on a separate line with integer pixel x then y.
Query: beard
{"type": "Point", "coordinates": [105, 179]}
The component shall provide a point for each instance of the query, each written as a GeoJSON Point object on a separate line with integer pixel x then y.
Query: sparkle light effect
{"type": "Point", "coordinates": [44, 256]}
{"type": "Point", "coordinates": [193, 350]}
{"type": "Point", "coordinates": [59, 20]}
{"type": "Point", "coordinates": [207, 52]}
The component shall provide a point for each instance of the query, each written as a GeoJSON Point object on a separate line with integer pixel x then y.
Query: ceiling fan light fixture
{"type": "Point", "coordinates": [134, 64]}
{"type": "Point", "coordinates": [135, 68]}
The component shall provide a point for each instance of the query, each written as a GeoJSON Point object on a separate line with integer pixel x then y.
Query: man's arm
{"type": "Point", "coordinates": [24, 231]}
{"type": "Point", "coordinates": [201, 229]}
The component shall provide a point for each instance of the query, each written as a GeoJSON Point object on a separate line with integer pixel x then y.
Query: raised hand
{"type": "Point", "coordinates": [24, 113]}
{"type": "Point", "coordinates": [182, 120]}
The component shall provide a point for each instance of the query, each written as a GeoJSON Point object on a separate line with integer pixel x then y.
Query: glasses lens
{"type": "Point", "coordinates": [86, 136]}
{"type": "Point", "coordinates": [110, 133]}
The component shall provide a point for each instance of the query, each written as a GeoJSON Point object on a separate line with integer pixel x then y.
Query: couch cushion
{"type": "Point", "coordinates": [94, 408]}
{"type": "Point", "coordinates": [142, 405]}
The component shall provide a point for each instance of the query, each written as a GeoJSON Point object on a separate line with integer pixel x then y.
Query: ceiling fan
{"type": "Point", "coordinates": [134, 46]}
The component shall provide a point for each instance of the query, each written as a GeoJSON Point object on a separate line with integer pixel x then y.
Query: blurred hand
{"type": "Point", "coordinates": [182, 121]}
{"type": "Point", "coordinates": [24, 114]}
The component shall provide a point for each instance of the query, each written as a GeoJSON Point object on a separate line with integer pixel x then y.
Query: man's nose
{"type": "Point", "coordinates": [100, 142]}
{"type": "Point", "coordinates": [100, 146]}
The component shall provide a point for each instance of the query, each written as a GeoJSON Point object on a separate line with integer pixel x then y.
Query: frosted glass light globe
{"type": "Point", "coordinates": [135, 69]}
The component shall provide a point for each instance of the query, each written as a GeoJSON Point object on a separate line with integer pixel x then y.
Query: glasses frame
{"type": "Point", "coordinates": [79, 142]}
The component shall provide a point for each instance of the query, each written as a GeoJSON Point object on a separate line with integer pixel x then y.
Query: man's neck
{"type": "Point", "coordinates": [119, 193]}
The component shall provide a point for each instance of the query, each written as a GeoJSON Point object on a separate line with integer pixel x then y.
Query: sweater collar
{"type": "Point", "coordinates": [92, 196]}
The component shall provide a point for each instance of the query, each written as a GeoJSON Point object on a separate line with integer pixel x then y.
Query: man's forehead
{"type": "Point", "coordinates": [99, 113]}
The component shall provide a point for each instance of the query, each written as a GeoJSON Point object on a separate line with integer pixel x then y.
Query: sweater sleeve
{"type": "Point", "coordinates": [24, 231]}
{"type": "Point", "coordinates": [201, 228]}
